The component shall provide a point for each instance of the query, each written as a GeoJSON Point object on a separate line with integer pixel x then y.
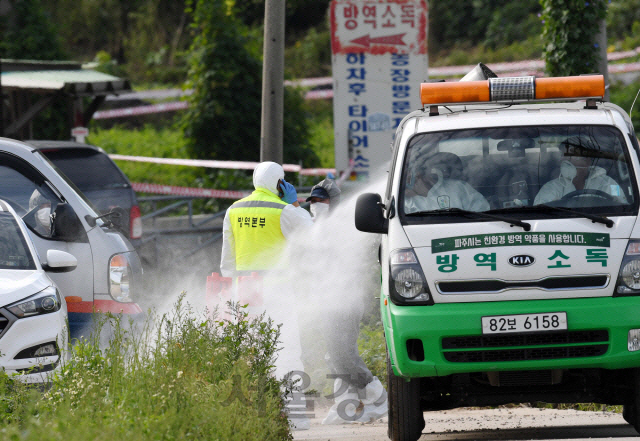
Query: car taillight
{"type": "Point", "coordinates": [135, 222]}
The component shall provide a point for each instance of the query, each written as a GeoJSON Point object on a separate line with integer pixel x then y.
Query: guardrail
{"type": "Point", "coordinates": [195, 223]}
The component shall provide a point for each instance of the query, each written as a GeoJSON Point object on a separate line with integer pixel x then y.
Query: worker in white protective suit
{"type": "Point", "coordinates": [358, 395]}
{"type": "Point", "coordinates": [436, 184]}
{"type": "Point", "coordinates": [254, 235]}
{"type": "Point", "coordinates": [578, 173]}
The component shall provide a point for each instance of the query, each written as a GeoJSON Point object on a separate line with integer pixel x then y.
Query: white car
{"type": "Point", "coordinates": [33, 316]}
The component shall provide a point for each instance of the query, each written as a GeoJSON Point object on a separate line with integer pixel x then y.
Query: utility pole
{"type": "Point", "coordinates": [272, 82]}
{"type": "Point", "coordinates": [603, 64]}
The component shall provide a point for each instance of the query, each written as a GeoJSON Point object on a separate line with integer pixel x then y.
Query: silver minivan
{"type": "Point", "coordinates": [60, 217]}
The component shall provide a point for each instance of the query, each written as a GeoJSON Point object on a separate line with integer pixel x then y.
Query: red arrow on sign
{"type": "Point", "coordinates": [389, 39]}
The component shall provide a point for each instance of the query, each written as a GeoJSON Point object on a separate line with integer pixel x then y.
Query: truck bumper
{"type": "Point", "coordinates": [445, 339]}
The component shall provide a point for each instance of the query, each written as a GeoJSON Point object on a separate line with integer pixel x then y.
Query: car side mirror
{"type": "Point", "coordinates": [66, 225]}
{"type": "Point", "coordinates": [59, 262]}
{"type": "Point", "coordinates": [369, 215]}
{"type": "Point", "coordinates": [117, 216]}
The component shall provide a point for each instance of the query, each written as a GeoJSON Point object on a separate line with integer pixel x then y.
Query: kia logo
{"type": "Point", "coordinates": [521, 260]}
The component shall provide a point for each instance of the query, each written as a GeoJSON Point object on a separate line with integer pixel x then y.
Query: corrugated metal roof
{"type": "Point", "coordinates": [77, 82]}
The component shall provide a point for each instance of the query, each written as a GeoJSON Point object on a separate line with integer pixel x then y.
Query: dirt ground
{"type": "Point", "coordinates": [518, 423]}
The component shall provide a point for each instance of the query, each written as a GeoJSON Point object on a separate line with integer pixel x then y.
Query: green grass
{"type": "Point", "coordinates": [149, 141]}
{"type": "Point", "coordinates": [178, 377]}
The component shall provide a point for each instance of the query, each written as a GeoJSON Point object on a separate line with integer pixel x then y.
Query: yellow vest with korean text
{"type": "Point", "coordinates": [255, 222]}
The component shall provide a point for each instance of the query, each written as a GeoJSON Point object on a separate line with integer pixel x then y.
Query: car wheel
{"type": "Point", "coordinates": [406, 420]}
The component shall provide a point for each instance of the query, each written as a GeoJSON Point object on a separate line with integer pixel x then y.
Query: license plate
{"type": "Point", "coordinates": [502, 324]}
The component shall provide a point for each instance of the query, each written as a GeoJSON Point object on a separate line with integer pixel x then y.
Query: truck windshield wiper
{"type": "Point", "coordinates": [524, 225]}
{"type": "Point", "coordinates": [594, 218]}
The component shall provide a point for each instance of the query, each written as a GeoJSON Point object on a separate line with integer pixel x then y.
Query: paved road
{"type": "Point", "coordinates": [497, 424]}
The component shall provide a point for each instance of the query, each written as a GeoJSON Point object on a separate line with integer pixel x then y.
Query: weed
{"type": "Point", "coordinates": [176, 376]}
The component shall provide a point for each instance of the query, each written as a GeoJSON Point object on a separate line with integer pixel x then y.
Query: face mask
{"type": "Point", "coordinates": [44, 217]}
{"type": "Point", "coordinates": [568, 170]}
{"type": "Point", "coordinates": [319, 209]}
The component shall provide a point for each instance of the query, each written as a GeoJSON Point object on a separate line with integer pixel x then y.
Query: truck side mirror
{"type": "Point", "coordinates": [369, 215]}
{"type": "Point", "coordinates": [66, 225]}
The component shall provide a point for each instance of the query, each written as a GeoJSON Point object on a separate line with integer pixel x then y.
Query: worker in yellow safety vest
{"type": "Point", "coordinates": [256, 228]}
{"type": "Point", "coordinates": [254, 236]}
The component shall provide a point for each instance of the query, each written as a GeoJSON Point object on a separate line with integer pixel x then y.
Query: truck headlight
{"type": "Point", "coordinates": [407, 284]}
{"type": "Point", "coordinates": [44, 302]}
{"type": "Point", "coordinates": [628, 283]}
{"type": "Point", "coordinates": [120, 278]}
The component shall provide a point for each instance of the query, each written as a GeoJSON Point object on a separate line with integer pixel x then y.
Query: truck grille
{"type": "Point", "coordinates": [511, 347]}
{"type": "Point", "coordinates": [548, 284]}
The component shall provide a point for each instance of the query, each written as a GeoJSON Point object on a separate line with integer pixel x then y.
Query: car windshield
{"type": "Point", "coordinates": [87, 168]}
{"type": "Point", "coordinates": [14, 252]}
{"type": "Point", "coordinates": [519, 169]}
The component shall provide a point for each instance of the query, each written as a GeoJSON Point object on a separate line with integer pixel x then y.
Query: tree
{"type": "Point", "coordinates": [223, 119]}
{"type": "Point", "coordinates": [29, 33]}
{"type": "Point", "coordinates": [569, 31]}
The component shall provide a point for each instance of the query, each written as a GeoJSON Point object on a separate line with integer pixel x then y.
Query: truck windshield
{"type": "Point", "coordinates": [520, 169]}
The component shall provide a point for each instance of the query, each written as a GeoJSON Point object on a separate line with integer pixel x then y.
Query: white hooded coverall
{"type": "Point", "coordinates": [563, 184]}
{"type": "Point", "coordinates": [448, 193]}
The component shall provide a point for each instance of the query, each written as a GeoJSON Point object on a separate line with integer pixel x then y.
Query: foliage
{"type": "Point", "coordinates": [310, 56]}
{"type": "Point", "coordinates": [300, 14]}
{"type": "Point", "coordinates": [621, 16]}
{"type": "Point", "coordinates": [321, 131]}
{"type": "Point", "coordinates": [632, 40]}
{"type": "Point", "coordinates": [29, 33]}
{"type": "Point", "coordinates": [134, 33]}
{"type": "Point", "coordinates": [513, 22]}
{"type": "Point", "coordinates": [624, 96]}
{"type": "Point", "coordinates": [167, 143]}
{"type": "Point", "coordinates": [518, 50]}
{"type": "Point", "coordinates": [177, 376]}
{"type": "Point", "coordinates": [372, 346]}
{"type": "Point", "coordinates": [569, 28]}
{"type": "Point", "coordinates": [223, 119]}
{"type": "Point", "coordinates": [489, 22]}
{"type": "Point", "coordinates": [155, 48]}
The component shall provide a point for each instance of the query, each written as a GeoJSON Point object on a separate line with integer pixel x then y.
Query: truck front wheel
{"type": "Point", "coordinates": [406, 420]}
{"type": "Point", "coordinates": [631, 408]}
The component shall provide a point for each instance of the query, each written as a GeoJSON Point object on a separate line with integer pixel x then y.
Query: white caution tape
{"type": "Point", "coordinates": [195, 192]}
{"type": "Point", "coordinates": [141, 110]}
{"type": "Point", "coordinates": [232, 165]}
{"type": "Point", "coordinates": [188, 191]}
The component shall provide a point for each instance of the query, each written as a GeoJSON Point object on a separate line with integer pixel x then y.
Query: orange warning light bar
{"type": "Point", "coordinates": [570, 87]}
{"type": "Point", "coordinates": [512, 89]}
{"type": "Point", "coordinates": [462, 92]}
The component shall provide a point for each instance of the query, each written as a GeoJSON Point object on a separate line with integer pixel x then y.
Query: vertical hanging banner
{"type": "Point", "coordinates": [379, 59]}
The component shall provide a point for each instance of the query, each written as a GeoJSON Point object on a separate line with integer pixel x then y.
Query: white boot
{"type": "Point", "coordinates": [375, 402]}
{"type": "Point", "coordinates": [346, 404]}
{"type": "Point", "coordinates": [350, 408]}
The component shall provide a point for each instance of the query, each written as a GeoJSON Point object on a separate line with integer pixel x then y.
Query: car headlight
{"type": "Point", "coordinates": [628, 283]}
{"type": "Point", "coordinates": [44, 302]}
{"type": "Point", "coordinates": [120, 278]}
{"type": "Point", "coordinates": [407, 284]}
